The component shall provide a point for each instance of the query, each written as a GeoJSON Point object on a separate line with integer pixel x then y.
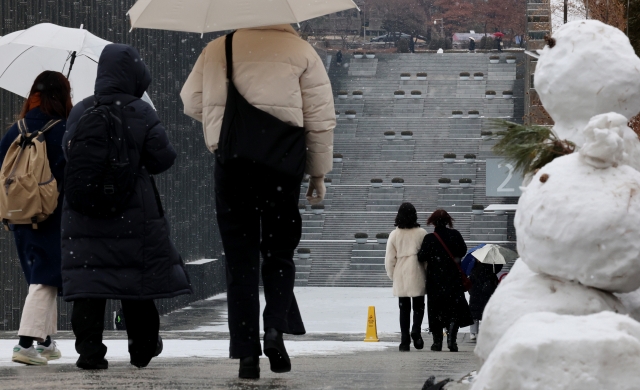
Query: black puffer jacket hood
{"type": "Point", "coordinates": [121, 71]}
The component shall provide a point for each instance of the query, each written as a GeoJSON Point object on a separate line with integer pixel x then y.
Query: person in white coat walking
{"type": "Point", "coordinates": [407, 274]}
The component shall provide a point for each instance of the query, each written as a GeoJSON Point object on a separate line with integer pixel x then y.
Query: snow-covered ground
{"type": "Point", "coordinates": [337, 310]}
{"type": "Point", "coordinates": [117, 349]}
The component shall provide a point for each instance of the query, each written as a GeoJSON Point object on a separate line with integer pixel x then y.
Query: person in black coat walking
{"type": "Point", "coordinates": [339, 57]}
{"type": "Point", "coordinates": [472, 44]}
{"type": "Point", "coordinates": [484, 283]}
{"type": "Point", "coordinates": [129, 257]}
{"type": "Point", "coordinates": [39, 250]}
{"type": "Point", "coordinates": [447, 306]}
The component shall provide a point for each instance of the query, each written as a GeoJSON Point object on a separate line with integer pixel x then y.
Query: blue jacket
{"type": "Point", "coordinates": [130, 256]}
{"type": "Point", "coordinates": [39, 250]}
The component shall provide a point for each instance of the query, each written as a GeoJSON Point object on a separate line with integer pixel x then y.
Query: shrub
{"type": "Point", "coordinates": [317, 207]}
{"type": "Point", "coordinates": [382, 235]}
{"type": "Point", "coordinates": [501, 133]}
{"type": "Point", "coordinates": [350, 112]}
{"type": "Point", "coordinates": [357, 92]}
{"type": "Point", "coordinates": [406, 133]}
{"type": "Point", "coordinates": [465, 180]}
{"type": "Point", "coordinates": [416, 93]}
{"type": "Point", "coordinates": [478, 74]}
{"type": "Point", "coordinates": [511, 57]}
{"type": "Point", "coordinates": [449, 155]}
{"type": "Point", "coordinates": [456, 112]}
{"type": "Point", "coordinates": [494, 57]}
{"type": "Point", "coordinates": [477, 207]}
{"type": "Point", "coordinates": [376, 180]}
{"type": "Point", "coordinates": [371, 53]}
{"type": "Point", "coordinates": [444, 180]}
{"type": "Point", "coordinates": [327, 180]}
{"type": "Point", "coordinates": [358, 53]}
{"type": "Point", "coordinates": [337, 155]}
{"type": "Point", "coordinates": [469, 155]}
{"type": "Point", "coordinates": [304, 250]}
{"type": "Point", "coordinates": [403, 45]}
{"type": "Point", "coordinates": [405, 74]}
{"type": "Point", "coordinates": [337, 112]}
{"type": "Point", "coordinates": [422, 74]}
{"type": "Point", "coordinates": [486, 133]}
{"type": "Point", "coordinates": [399, 93]}
{"type": "Point", "coordinates": [474, 112]}
{"type": "Point", "coordinates": [343, 93]}
{"type": "Point", "coordinates": [301, 206]}
{"type": "Point", "coordinates": [464, 74]}
{"type": "Point", "coordinates": [490, 93]}
{"type": "Point", "coordinates": [397, 180]}
{"type": "Point", "coordinates": [507, 92]}
{"type": "Point", "coordinates": [361, 235]}
{"type": "Point", "coordinates": [389, 133]}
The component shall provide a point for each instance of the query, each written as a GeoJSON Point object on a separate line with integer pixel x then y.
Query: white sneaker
{"type": "Point", "coordinates": [51, 352]}
{"type": "Point", "coordinates": [28, 356]}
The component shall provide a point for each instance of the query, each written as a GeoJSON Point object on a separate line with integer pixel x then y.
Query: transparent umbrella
{"type": "Point", "coordinates": [74, 52]}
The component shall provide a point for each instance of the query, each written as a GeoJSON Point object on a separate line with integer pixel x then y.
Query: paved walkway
{"type": "Point", "coordinates": [197, 360]}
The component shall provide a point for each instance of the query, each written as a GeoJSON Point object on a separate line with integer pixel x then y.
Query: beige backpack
{"type": "Point", "coordinates": [29, 192]}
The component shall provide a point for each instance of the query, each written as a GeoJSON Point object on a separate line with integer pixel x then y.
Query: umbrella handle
{"type": "Point", "coordinates": [73, 59]}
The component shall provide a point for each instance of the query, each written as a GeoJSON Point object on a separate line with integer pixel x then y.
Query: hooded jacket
{"type": "Point", "coordinates": [275, 71]}
{"type": "Point", "coordinates": [130, 256]}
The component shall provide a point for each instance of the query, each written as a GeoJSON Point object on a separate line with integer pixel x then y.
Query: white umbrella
{"type": "Point", "coordinates": [74, 52]}
{"type": "Point", "coordinates": [201, 16]}
{"type": "Point", "coordinates": [489, 254]}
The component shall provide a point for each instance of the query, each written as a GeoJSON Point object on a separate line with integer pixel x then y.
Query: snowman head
{"type": "Point", "coordinates": [591, 70]}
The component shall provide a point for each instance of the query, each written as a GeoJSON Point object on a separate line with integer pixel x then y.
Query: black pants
{"type": "Point", "coordinates": [405, 314]}
{"type": "Point", "coordinates": [143, 325]}
{"type": "Point", "coordinates": [257, 211]}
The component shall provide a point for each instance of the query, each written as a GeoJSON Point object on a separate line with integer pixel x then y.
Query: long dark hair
{"type": "Point", "coordinates": [407, 217]}
{"type": "Point", "coordinates": [54, 92]}
{"type": "Point", "coordinates": [440, 218]}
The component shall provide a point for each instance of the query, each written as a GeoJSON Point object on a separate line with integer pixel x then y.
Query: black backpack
{"type": "Point", "coordinates": [103, 161]}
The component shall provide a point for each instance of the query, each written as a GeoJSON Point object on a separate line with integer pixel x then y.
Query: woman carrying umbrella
{"type": "Point", "coordinates": [447, 306]}
{"type": "Point", "coordinates": [273, 124]}
{"type": "Point", "coordinates": [408, 275]}
{"type": "Point", "coordinates": [49, 101]}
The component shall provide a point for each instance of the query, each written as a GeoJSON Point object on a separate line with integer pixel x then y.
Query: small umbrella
{"type": "Point", "coordinates": [489, 254]}
{"type": "Point", "coordinates": [75, 52]}
{"type": "Point", "coordinates": [202, 16]}
{"type": "Point", "coordinates": [498, 35]}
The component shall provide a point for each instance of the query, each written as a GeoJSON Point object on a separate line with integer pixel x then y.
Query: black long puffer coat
{"type": "Point", "coordinates": [131, 256]}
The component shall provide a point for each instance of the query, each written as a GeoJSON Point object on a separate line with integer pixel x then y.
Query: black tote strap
{"type": "Point", "coordinates": [228, 49]}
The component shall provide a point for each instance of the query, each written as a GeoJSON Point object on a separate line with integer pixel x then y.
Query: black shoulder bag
{"type": "Point", "coordinates": [251, 134]}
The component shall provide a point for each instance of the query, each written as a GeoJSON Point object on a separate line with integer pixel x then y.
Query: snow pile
{"type": "Point", "coordinates": [524, 291]}
{"type": "Point", "coordinates": [578, 222]}
{"type": "Point", "coordinates": [631, 302]}
{"type": "Point", "coordinates": [550, 351]}
{"type": "Point", "coordinates": [591, 70]}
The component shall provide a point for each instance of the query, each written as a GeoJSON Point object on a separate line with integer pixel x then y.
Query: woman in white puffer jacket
{"type": "Point", "coordinates": [408, 275]}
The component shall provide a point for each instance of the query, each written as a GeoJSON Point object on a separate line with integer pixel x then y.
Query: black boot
{"type": "Point", "coordinates": [437, 340]}
{"type": "Point", "coordinates": [452, 334]}
{"type": "Point", "coordinates": [405, 343]}
{"type": "Point", "coordinates": [249, 367]}
{"type": "Point", "coordinates": [275, 351]}
{"type": "Point", "coordinates": [92, 364]}
{"type": "Point", "coordinates": [418, 343]}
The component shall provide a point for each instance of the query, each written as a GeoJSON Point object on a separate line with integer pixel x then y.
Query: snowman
{"type": "Point", "coordinates": [556, 321]}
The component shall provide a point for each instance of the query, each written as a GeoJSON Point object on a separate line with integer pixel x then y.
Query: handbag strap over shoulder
{"type": "Point", "coordinates": [228, 49]}
{"type": "Point", "coordinates": [446, 248]}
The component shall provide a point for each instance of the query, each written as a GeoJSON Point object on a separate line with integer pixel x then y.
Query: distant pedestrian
{"type": "Point", "coordinates": [472, 44]}
{"type": "Point", "coordinates": [484, 283]}
{"type": "Point", "coordinates": [407, 273]}
{"type": "Point", "coordinates": [45, 110]}
{"type": "Point", "coordinates": [272, 124]}
{"type": "Point", "coordinates": [447, 306]}
{"type": "Point", "coordinates": [123, 251]}
{"type": "Point", "coordinates": [412, 45]}
{"type": "Point", "coordinates": [339, 57]}
{"type": "Point", "coordinates": [499, 43]}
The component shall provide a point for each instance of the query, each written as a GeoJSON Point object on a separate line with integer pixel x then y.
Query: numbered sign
{"type": "Point", "coordinates": [502, 180]}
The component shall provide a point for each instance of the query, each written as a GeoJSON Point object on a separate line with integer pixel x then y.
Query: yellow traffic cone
{"type": "Point", "coordinates": [372, 329]}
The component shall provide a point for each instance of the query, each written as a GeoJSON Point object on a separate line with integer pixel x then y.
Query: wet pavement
{"type": "Point", "coordinates": [339, 368]}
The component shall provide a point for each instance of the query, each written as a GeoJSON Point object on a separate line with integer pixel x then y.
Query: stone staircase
{"type": "Point", "coordinates": [353, 205]}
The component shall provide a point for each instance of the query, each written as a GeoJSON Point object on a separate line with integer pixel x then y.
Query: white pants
{"type": "Point", "coordinates": [40, 312]}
